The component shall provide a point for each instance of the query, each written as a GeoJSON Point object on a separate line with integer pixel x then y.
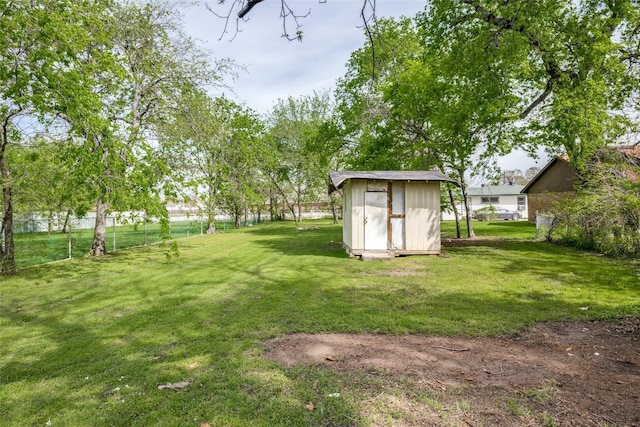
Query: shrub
{"type": "Point", "coordinates": [605, 214]}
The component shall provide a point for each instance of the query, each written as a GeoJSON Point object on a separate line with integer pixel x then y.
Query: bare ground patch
{"type": "Point", "coordinates": [555, 374]}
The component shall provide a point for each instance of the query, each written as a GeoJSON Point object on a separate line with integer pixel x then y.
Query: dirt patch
{"type": "Point", "coordinates": [556, 374]}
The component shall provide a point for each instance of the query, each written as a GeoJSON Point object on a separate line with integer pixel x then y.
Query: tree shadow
{"type": "Point", "coordinates": [318, 240]}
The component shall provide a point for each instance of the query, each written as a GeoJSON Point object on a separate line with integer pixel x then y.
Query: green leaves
{"type": "Point", "coordinates": [470, 80]}
{"type": "Point", "coordinates": [300, 154]}
{"type": "Point", "coordinates": [605, 213]}
{"type": "Point", "coordinates": [42, 76]}
{"type": "Point", "coordinates": [107, 74]}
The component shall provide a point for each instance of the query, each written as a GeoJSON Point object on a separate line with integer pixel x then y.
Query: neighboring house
{"type": "Point", "coordinates": [390, 213]}
{"type": "Point", "coordinates": [505, 196]}
{"type": "Point", "coordinates": [555, 182]}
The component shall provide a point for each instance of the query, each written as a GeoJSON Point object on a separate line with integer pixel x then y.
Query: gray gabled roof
{"type": "Point", "coordinates": [495, 190]}
{"type": "Point", "coordinates": [338, 178]}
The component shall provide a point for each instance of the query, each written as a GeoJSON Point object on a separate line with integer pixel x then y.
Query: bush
{"type": "Point", "coordinates": [605, 215]}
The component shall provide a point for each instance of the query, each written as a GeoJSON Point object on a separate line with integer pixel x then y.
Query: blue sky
{"type": "Point", "coordinates": [277, 68]}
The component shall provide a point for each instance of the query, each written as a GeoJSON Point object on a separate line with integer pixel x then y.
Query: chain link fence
{"type": "Point", "coordinates": [41, 240]}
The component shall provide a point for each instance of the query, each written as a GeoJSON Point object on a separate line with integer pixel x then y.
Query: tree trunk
{"type": "Point", "coordinates": [99, 246]}
{"type": "Point", "coordinates": [298, 217]}
{"type": "Point", "coordinates": [285, 201]}
{"type": "Point", "coordinates": [467, 208]}
{"type": "Point", "coordinates": [273, 206]}
{"type": "Point", "coordinates": [50, 223]}
{"type": "Point", "coordinates": [67, 217]}
{"type": "Point", "coordinates": [452, 200]}
{"type": "Point", "coordinates": [7, 249]}
{"type": "Point", "coordinates": [211, 222]}
{"type": "Point", "coordinates": [334, 208]}
{"type": "Point", "coordinates": [211, 214]}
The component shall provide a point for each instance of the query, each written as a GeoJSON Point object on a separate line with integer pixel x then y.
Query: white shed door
{"type": "Point", "coordinates": [375, 220]}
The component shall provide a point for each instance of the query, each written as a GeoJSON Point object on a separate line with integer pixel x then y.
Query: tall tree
{"type": "Point", "coordinates": [210, 146]}
{"type": "Point", "coordinates": [245, 185]}
{"type": "Point", "coordinates": [452, 114]}
{"type": "Point", "coordinates": [492, 76]}
{"type": "Point", "coordinates": [548, 72]}
{"type": "Point", "coordinates": [293, 165]}
{"type": "Point", "coordinates": [568, 66]}
{"type": "Point", "coordinates": [332, 147]}
{"type": "Point", "coordinates": [155, 63]}
{"type": "Point", "coordinates": [40, 47]}
{"type": "Point", "coordinates": [362, 108]}
{"type": "Point", "coordinates": [419, 109]}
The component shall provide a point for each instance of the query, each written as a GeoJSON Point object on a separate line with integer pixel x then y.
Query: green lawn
{"type": "Point", "coordinates": [87, 341]}
{"type": "Point", "coordinates": [498, 228]}
{"type": "Point", "coordinates": [42, 247]}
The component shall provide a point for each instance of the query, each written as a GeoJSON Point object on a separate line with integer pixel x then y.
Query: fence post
{"type": "Point", "coordinates": [114, 233]}
{"type": "Point", "coordinates": [69, 239]}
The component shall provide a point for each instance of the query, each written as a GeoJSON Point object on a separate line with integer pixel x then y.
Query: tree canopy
{"type": "Point", "coordinates": [98, 77]}
{"type": "Point", "coordinates": [43, 48]}
{"type": "Point", "coordinates": [468, 80]}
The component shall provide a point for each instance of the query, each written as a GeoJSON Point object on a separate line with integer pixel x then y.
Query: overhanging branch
{"type": "Point", "coordinates": [286, 13]}
{"type": "Point", "coordinates": [247, 8]}
{"type": "Point", "coordinates": [540, 99]}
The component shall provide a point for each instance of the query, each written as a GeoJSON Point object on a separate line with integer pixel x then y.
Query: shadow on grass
{"type": "Point", "coordinates": [109, 369]}
{"type": "Point", "coordinates": [325, 240]}
{"type": "Point", "coordinates": [103, 350]}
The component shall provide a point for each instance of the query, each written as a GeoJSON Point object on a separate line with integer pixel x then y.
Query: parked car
{"type": "Point", "coordinates": [492, 213]}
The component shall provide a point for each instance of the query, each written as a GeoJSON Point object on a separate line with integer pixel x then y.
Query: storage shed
{"type": "Point", "coordinates": [390, 213]}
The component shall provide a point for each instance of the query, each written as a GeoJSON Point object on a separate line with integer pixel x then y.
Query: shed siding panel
{"type": "Point", "coordinates": [422, 204]}
{"type": "Point", "coordinates": [358, 188]}
{"type": "Point", "coordinates": [347, 222]}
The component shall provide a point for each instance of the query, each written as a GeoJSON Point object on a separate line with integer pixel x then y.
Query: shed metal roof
{"type": "Point", "coordinates": [338, 178]}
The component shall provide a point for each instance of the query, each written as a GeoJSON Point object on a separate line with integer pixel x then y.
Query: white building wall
{"type": "Point", "coordinates": [506, 201]}
{"type": "Point", "coordinates": [421, 222]}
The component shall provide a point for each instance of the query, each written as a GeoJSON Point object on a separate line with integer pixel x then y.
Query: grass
{"type": "Point", "coordinates": [88, 341]}
{"type": "Point", "coordinates": [503, 229]}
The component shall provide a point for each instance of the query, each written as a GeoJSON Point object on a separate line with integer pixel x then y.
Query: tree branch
{"type": "Point", "coordinates": [247, 8]}
{"type": "Point", "coordinates": [367, 28]}
{"type": "Point", "coordinates": [286, 13]}
{"type": "Point", "coordinates": [547, 91]}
